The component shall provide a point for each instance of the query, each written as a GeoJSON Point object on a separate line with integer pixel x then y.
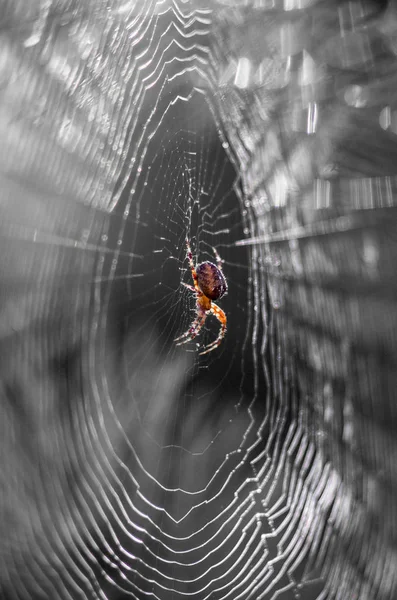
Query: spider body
{"type": "Point", "coordinates": [209, 285]}
{"type": "Point", "coordinates": [211, 280]}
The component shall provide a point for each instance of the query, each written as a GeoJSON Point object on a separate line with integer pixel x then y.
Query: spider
{"type": "Point", "coordinates": [209, 284]}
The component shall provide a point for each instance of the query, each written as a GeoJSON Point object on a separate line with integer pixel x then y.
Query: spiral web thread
{"type": "Point", "coordinates": [266, 469]}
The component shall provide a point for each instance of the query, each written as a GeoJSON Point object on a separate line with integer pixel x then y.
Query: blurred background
{"type": "Point", "coordinates": [135, 468]}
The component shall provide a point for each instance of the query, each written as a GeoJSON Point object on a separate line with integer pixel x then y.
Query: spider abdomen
{"type": "Point", "coordinates": [211, 280]}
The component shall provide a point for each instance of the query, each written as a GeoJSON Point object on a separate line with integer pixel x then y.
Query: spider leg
{"type": "Point", "coordinates": [191, 265]}
{"type": "Point", "coordinates": [194, 329]}
{"type": "Point", "coordinates": [220, 315]}
{"type": "Point", "coordinates": [197, 319]}
{"type": "Point", "coordinates": [191, 288]}
{"type": "Point", "coordinates": [219, 261]}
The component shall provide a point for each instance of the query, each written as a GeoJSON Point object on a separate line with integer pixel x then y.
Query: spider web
{"type": "Point", "coordinates": [133, 468]}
